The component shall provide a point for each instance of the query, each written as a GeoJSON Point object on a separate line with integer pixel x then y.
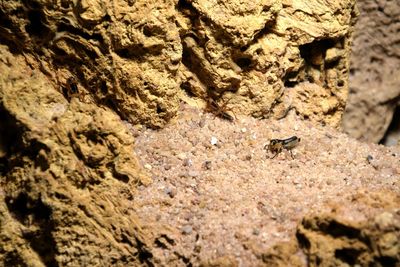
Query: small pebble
{"type": "Point", "coordinates": [207, 165]}
{"type": "Point", "coordinates": [202, 123]}
{"type": "Point", "coordinates": [187, 229]}
{"type": "Point", "coordinates": [167, 167]}
{"type": "Point", "coordinates": [171, 192]}
{"type": "Point", "coordinates": [148, 167]}
{"type": "Point", "coordinates": [187, 162]}
{"type": "Point", "coordinates": [243, 130]}
{"type": "Point", "coordinates": [214, 140]}
{"type": "Point", "coordinates": [193, 174]}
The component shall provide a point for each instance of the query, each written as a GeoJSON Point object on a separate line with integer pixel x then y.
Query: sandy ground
{"type": "Point", "coordinates": [222, 194]}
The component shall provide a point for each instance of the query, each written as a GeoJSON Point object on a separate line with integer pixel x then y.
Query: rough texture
{"type": "Point", "coordinates": [218, 197]}
{"type": "Point", "coordinates": [374, 79]}
{"type": "Point", "coordinates": [138, 58]}
{"type": "Point", "coordinates": [68, 175]}
{"type": "Point", "coordinates": [80, 78]}
{"type": "Point", "coordinates": [251, 55]}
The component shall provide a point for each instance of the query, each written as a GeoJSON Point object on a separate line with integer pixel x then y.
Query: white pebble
{"type": "Point", "coordinates": [214, 140]}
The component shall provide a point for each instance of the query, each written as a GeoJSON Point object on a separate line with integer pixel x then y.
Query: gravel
{"type": "Point", "coordinates": [235, 194]}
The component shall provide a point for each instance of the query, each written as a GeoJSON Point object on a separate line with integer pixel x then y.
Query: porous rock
{"type": "Point", "coordinates": [68, 176]}
{"type": "Point", "coordinates": [374, 81]}
{"type": "Point", "coordinates": [139, 58]}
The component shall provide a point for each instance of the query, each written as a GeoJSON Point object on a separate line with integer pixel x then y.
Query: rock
{"type": "Point", "coordinates": [375, 57]}
{"type": "Point", "coordinates": [207, 165]}
{"type": "Point", "coordinates": [170, 191]}
{"type": "Point", "coordinates": [71, 179]}
{"type": "Point", "coordinates": [187, 162]}
{"type": "Point", "coordinates": [213, 141]}
{"type": "Point", "coordinates": [148, 167]}
{"type": "Point", "coordinates": [187, 229]}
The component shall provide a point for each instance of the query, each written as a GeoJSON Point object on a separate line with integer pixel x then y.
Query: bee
{"type": "Point", "coordinates": [277, 145]}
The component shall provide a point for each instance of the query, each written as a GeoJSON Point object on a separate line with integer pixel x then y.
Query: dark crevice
{"type": "Point", "coordinates": [185, 259]}
{"type": "Point", "coordinates": [13, 258]}
{"type": "Point", "coordinates": [144, 254]}
{"type": "Point", "coordinates": [11, 143]}
{"type": "Point", "coordinates": [316, 50]}
{"type": "Point", "coordinates": [387, 261]}
{"type": "Point", "coordinates": [290, 80]}
{"type": "Point", "coordinates": [10, 133]}
{"type": "Point", "coordinates": [33, 212]}
{"type": "Point", "coordinates": [22, 206]}
{"type": "Point", "coordinates": [243, 62]}
{"type": "Point", "coordinates": [314, 55]}
{"type": "Point", "coordinates": [332, 65]}
{"type": "Point", "coordinates": [160, 109]}
{"type": "Point", "coordinates": [185, 86]}
{"type": "Point", "coordinates": [137, 52]}
{"type": "Point", "coordinates": [392, 134]}
{"type": "Point", "coordinates": [36, 151]}
{"type": "Point", "coordinates": [337, 229]}
{"type": "Point", "coordinates": [290, 84]}
{"type": "Point", "coordinates": [184, 4]}
{"type": "Point", "coordinates": [37, 27]}
{"type": "Point", "coordinates": [348, 255]}
{"type": "Point", "coordinates": [163, 241]}
{"type": "Point", "coordinates": [192, 63]}
{"type": "Point", "coordinates": [64, 26]}
{"type": "Point", "coordinates": [340, 83]}
{"type": "Point", "coordinates": [119, 176]}
{"type": "Point", "coordinates": [13, 147]}
{"type": "Point", "coordinates": [303, 240]}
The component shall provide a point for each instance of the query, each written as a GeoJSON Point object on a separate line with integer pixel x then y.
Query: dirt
{"type": "Point", "coordinates": [218, 194]}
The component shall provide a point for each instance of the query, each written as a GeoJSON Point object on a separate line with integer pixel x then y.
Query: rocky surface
{"type": "Point", "coordinates": [374, 79]}
{"type": "Point", "coordinates": [68, 174]}
{"type": "Point", "coordinates": [138, 58]}
{"type": "Point", "coordinates": [218, 198]}
{"type": "Point", "coordinates": [85, 182]}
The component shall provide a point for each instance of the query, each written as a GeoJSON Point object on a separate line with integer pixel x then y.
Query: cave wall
{"type": "Point", "coordinates": [140, 58]}
{"type": "Point", "coordinates": [374, 74]}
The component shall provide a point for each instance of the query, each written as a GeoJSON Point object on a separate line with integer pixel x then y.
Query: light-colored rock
{"type": "Point", "coordinates": [139, 58]}
{"type": "Point", "coordinates": [69, 177]}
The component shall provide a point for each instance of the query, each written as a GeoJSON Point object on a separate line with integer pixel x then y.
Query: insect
{"type": "Point", "coordinates": [220, 110]}
{"type": "Point", "coordinates": [277, 145]}
{"type": "Point", "coordinates": [71, 90]}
